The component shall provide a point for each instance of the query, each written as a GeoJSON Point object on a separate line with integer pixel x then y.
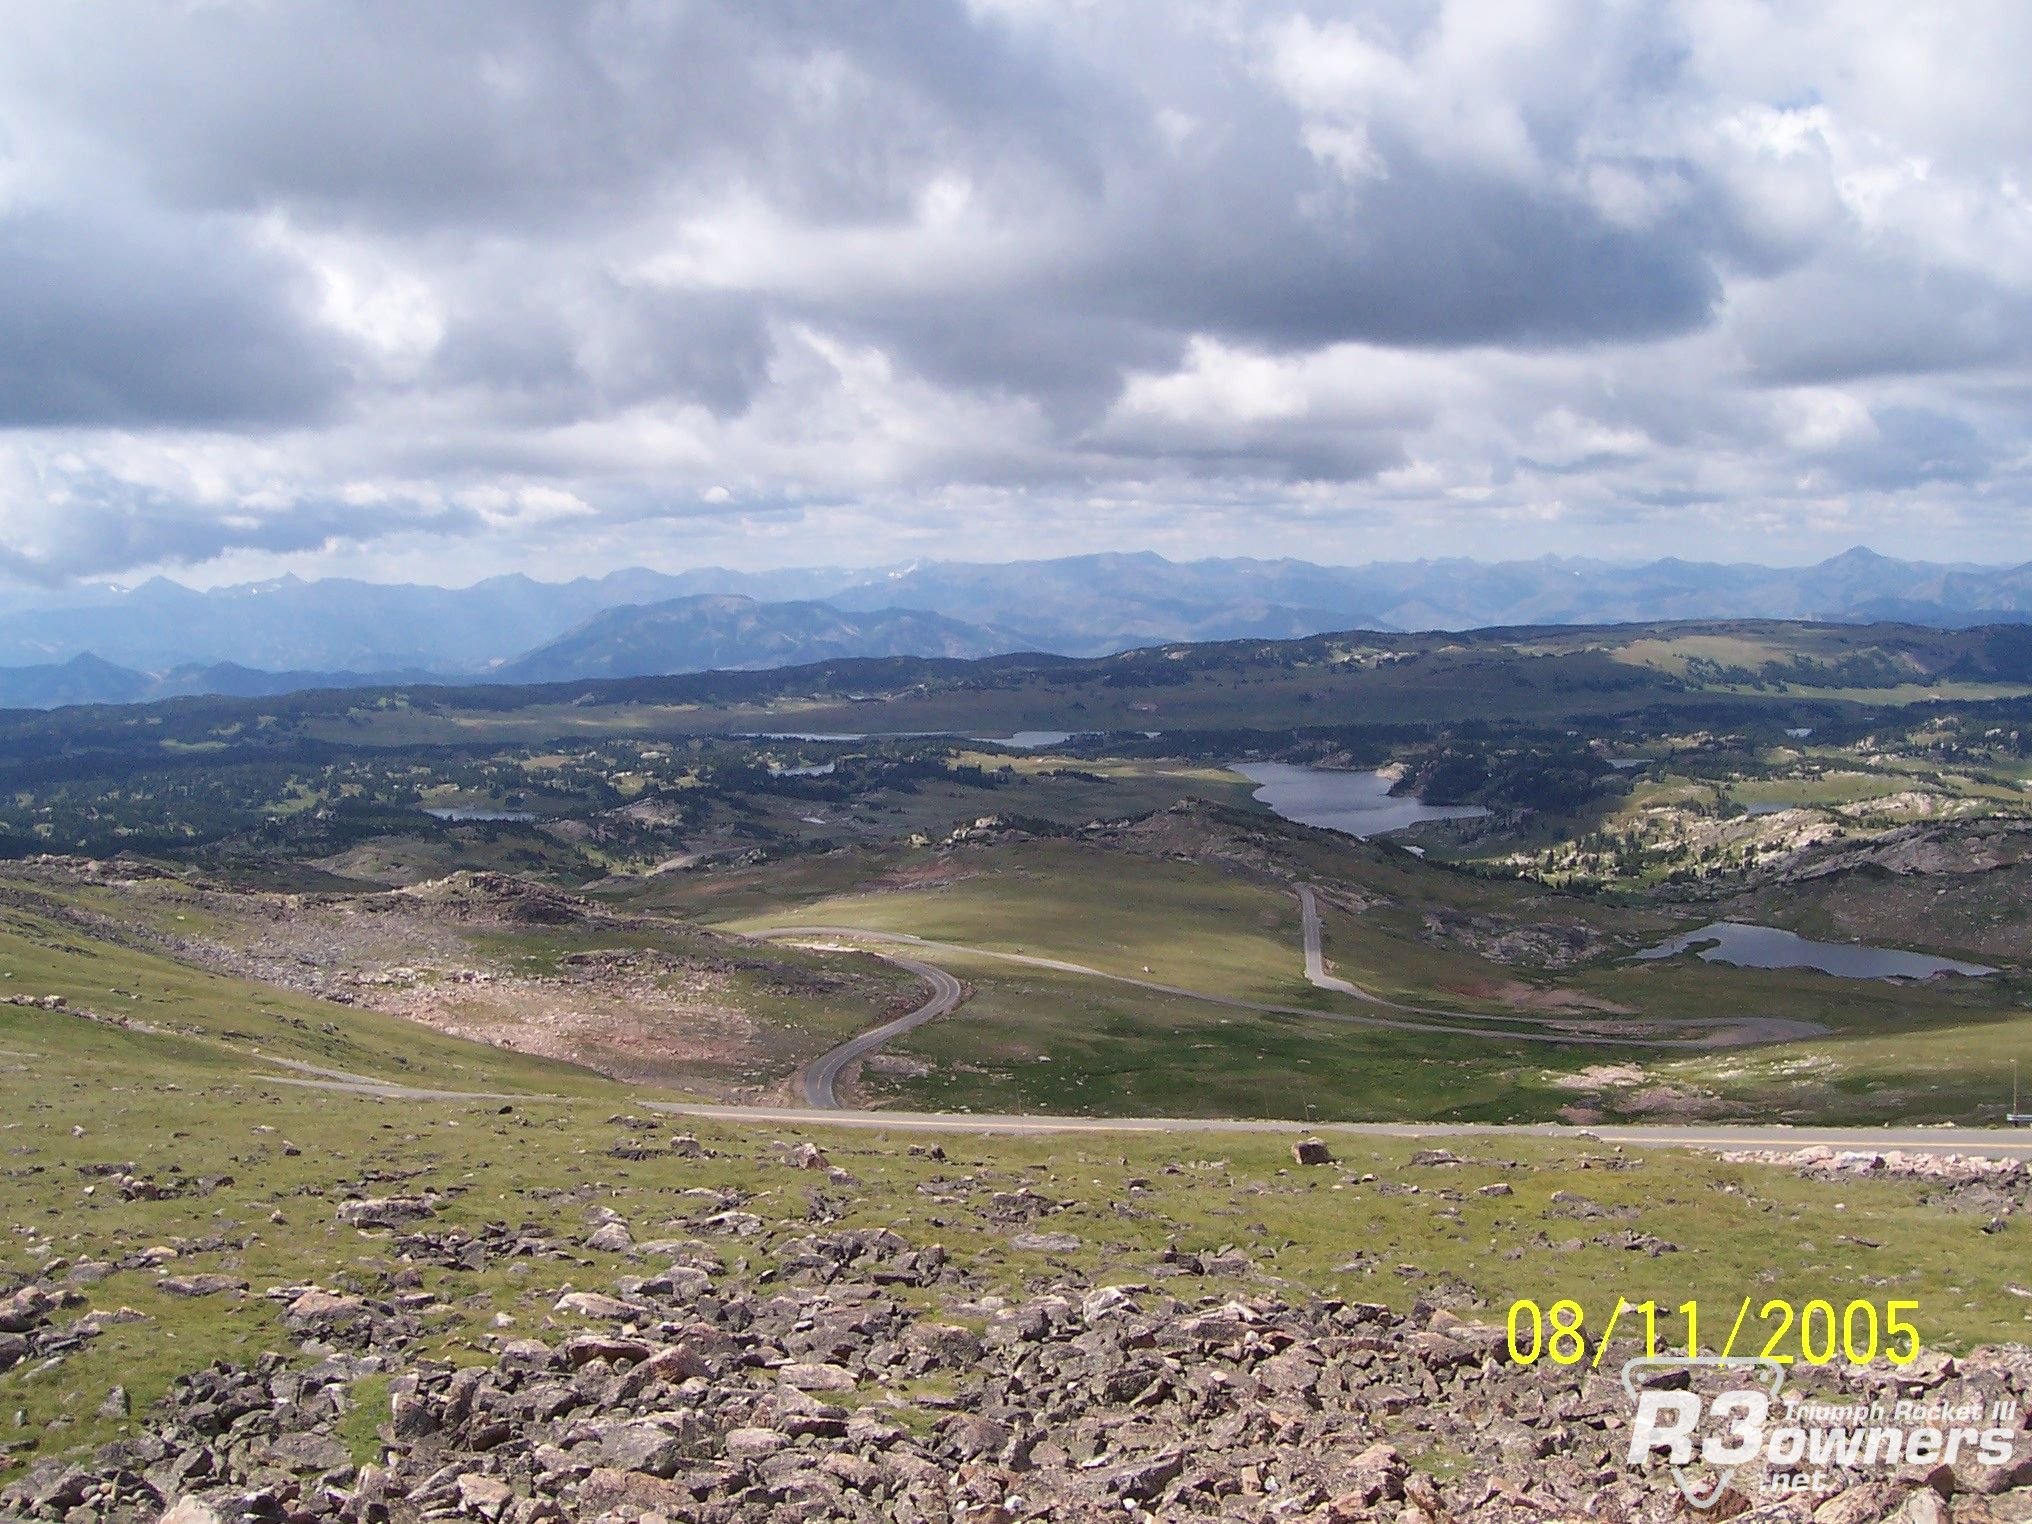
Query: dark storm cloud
{"type": "Point", "coordinates": [582, 347]}
{"type": "Point", "coordinates": [1913, 447]}
{"type": "Point", "coordinates": [1427, 256]}
{"type": "Point", "coordinates": [1881, 318]}
{"type": "Point", "coordinates": [110, 322]}
{"type": "Point", "coordinates": [525, 112]}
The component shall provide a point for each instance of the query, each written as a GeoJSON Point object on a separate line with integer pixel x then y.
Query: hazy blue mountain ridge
{"type": "Point", "coordinates": [162, 638]}
{"type": "Point", "coordinates": [729, 632]}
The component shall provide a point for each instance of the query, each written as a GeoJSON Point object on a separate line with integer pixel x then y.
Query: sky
{"type": "Point", "coordinates": [434, 292]}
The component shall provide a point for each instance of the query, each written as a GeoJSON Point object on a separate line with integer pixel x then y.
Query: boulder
{"type": "Point", "coordinates": [600, 1307]}
{"type": "Point", "coordinates": [320, 1308]}
{"type": "Point", "coordinates": [385, 1211]}
{"type": "Point", "coordinates": [1045, 1243]}
{"type": "Point", "coordinates": [487, 1496]}
{"type": "Point", "coordinates": [816, 1377]}
{"type": "Point", "coordinates": [200, 1285]}
{"type": "Point", "coordinates": [642, 1447]}
{"type": "Point", "coordinates": [749, 1444]}
{"type": "Point", "coordinates": [1140, 1481]}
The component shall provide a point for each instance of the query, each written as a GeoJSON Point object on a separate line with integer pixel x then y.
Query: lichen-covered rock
{"type": "Point", "coordinates": [385, 1211]}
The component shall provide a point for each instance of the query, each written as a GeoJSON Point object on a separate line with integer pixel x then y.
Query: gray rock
{"type": "Point", "coordinates": [385, 1211]}
{"type": "Point", "coordinates": [642, 1447]}
{"type": "Point", "coordinates": [816, 1377]}
{"type": "Point", "coordinates": [200, 1285]}
{"type": "Point", "coordinates": [27, 1309]}
{"type": "Point", "coordinates": [306, 1452]}
{"type": "Point", "coordinates": [1143, 1480]}
{"type": "Point", "coordinates": [597, 1305]}
{"type": "Point", "coordinates": [749, 1444]}
{"type": "Point", "coordinates": [487, 1496]}
{"type": "Point", "coordinates": [1045, 1243]}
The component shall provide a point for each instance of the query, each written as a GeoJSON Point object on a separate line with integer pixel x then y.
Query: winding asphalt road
{"type": "Point", "coordinates": [1315, 960]}
{"type": "Point", "coordinates": [820, 1075]}
{"type": "Point", "coordinates": [823, 1072]}
{"type": "Point", "coordinates": [1725, 1031]}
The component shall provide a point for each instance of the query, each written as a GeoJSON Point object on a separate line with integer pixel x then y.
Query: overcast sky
{"type": "Point", "coordinates": [433, 291]}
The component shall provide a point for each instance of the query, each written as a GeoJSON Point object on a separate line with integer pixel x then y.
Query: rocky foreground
{"type": "Point", "coordinates": [824, 1390]}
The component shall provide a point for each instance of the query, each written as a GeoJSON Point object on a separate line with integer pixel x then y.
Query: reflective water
{"type": "Point", "coordinates": [1027, 740]}
{"type": "Point", "coordinates": [1357, 803]}
{"type": "Point", "coordinates": [1751, 946]}
{"type": "Point", "coordinates": [455, 813]}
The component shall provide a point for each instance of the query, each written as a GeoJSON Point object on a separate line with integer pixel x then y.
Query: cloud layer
{"type": "Point", "coordinates": [424, 289]}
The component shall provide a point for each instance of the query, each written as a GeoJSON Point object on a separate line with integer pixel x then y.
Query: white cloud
{"type": "Point", "coordinates": [750, 282]}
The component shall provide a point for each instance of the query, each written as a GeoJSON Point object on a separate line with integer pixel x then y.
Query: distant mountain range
{"type": "Point", "coordinates": [86, 679]}
{"type": "Point", "coordinates": [162, 639]}
{"type": "Point", "coordinates": [727, 632]}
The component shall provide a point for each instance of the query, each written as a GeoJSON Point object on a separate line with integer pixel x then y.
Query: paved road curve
{"type": "Point", "coordinates": [823, 1072]}
{"type": "Point", "coordinates": [1315, 960]}
{"type": "Point", "coordinates": [1993, 1142]}
{"type": "Point", "coordinates": [1580, 1029]}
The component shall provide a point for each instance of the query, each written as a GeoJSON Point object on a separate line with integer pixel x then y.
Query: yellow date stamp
{"type": "Point", "coordinates": [1816, 1332]}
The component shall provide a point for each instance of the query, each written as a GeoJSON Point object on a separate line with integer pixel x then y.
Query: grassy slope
{"type": "Point", "coordinates": [1451, 682]}
{"type": "Point", "coordinates": [230, 1025]}
{"type": "Point", "coordinates": [1029, 1040]}
{"type": "Point", "coordinates": [1930, 1052]}
{"type": "Point", "coordinates": [1741, 1230]}
{"type": "Point", "coordinates": [797, 1003]}
{"type": "Point", "coordinates": [1174, 922]}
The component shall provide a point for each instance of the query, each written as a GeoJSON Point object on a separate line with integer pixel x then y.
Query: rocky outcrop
{"type": "Point", "coordinates": [825, 1389]}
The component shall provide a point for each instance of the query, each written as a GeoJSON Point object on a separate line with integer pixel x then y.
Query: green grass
{"type": "Point", "coordinates": [1177, 923]}
{"type": "Point", "coordinates": [359, 1429]}
{"type": "Point", "coordinates": [791, 1003]}
{"type": "Point", "coordinates": [222, 1023]}
{"type": "Point", "coordinates": [1892, 1050]}
{"type": "Point", "coordinates": [1201, 928]}
{"type": "Point", "coordinates": [1038, 1041]}
{"type": "Point", "coordinates": [1953, 1070]}
{"type": "Point", "coordinates": [1741, 1230]}
{"type": "Point", "coordinates": [189, 1103]}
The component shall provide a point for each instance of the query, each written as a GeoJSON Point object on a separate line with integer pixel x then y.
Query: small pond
{"type": "Point", "coordinates": [1751, 946]}
{"type": "Point", "coordinates": [1027, 740]}
{"type": "Point", "coordinates": [1358, 803]}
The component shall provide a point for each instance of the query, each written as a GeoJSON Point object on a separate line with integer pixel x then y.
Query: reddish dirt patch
{"type": "Point", "coordinates": [1529, 997]}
